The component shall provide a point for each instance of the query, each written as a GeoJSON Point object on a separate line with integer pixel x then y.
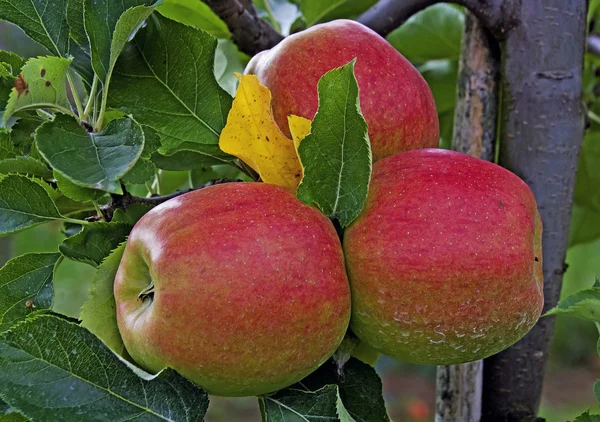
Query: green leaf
{"type": "Point", "coordinates": [47, 358]}
{"type": "Point", "coordinates": [359, 385]}
{"type": "Point", "coordinates": [144, 169]}
{"type": "Point", "coordinates": [442, 77]}
{"type": "Point", "coordinates": [435, 33]}
{"type": "Point", "coordinates": [12, 417]}
{"type": "Point", "coordinates": [24, 203]}
{"type": "Point", "coordinates": [133, 213]}
{"type": "Point", "coordinates": [93, 160]}
{"type": "Point", "coordinates": [583, 304]}
{"type": "Point", "coordinates": [43, 21]}
{"type": "Point", "coordinates": [228, 60]}
{"type": "Point", "coordinates": [95, 242]}
{"type": "Point", "coordinates": [336, 155]}
{"type": "Point", "coordinates": [190, 108]}
{"type": "Point", "coordinates": [42, 85]}
{"type": "Point", "coordinates": [194, 13]}
{"type": "Point", "coordinates": [22, 132]}
{"type": "Point", "coordinates": [25, 165]}
{"type": "Point", "coordinates": [292, 405]}
{"type": "Point", "coordinates": [586, 417]}
{"type": "Point", "coordinates": [7, 150]}
{"type": "Point", "coordinates": [314, 10]}
{"type": "Point", "coordinates": [14, 62]}
{"type": "Point", "coordinates": [26, 286]}
{"type": "Point", "coordinates": [205, 156]}
{"type": "Point", "coordinates": [585, 218]}
{"type": "Point", "coordinates": [76, 192]}
{"type": "Point", "coordinates": [349, 9]}
{"type": "Point", "coordinates": [75, 20]}
{"type": "Point", "coordinates": [109, 24]}
{"type": "Point", "coordinates": [99, 313]}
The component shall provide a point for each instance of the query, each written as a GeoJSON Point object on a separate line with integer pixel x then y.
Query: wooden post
{"type": "Point", "coordinates": [459, 387]}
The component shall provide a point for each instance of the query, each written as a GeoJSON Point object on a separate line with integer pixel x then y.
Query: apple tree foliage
{"type": "Point", "coordinates": [127, 90]}
{"type": "Point", "coordinates": [130, 89]}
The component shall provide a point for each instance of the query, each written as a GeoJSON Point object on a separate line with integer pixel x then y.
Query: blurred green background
{"type": "Point", "coordinates": [431, 40]}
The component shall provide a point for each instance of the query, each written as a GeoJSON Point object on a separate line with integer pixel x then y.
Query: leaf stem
{"type": "Point", "coordinates": [91, 98]}
{"type": "Point", "coordinates": [75, 95]}
{"type": "Point", "coordinates": [76, 221]}
{"type": "Point", "coordinates": [97, 208]}
{"type": "Point", "coordinates": [50, 105]}
{"type": "Point", "coordinates": [99, 124]}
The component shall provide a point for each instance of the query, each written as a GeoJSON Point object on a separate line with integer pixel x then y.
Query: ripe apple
{"type": "Point", "coordinates": [239, 287]}
{"type": "Point", "coordinates": [445, 260]}
{"type": "Point", "coordinates": [394, 98]}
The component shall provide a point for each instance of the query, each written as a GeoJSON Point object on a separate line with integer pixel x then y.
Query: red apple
{"type": "Point", "coordinates": [394, 98]}
{"type": "Point", "coordinates": [445, 260]}
{"type": "Point", "coordinates": [239, 287]}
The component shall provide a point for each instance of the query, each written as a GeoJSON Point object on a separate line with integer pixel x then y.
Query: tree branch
{"type": "Point", "coordinates": [542, 129]}
{"type": "Point", "coordinates": [125, 200]}
{"type": "Point", "coordinates": [250, 33]}
{"type": "Point", "coordinates": [593, 44]}
{"type": "Point", "coordinates": [387, 15]}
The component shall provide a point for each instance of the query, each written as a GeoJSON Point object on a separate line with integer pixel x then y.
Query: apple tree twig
{"type": "Point", "coordinates": [249, 32]}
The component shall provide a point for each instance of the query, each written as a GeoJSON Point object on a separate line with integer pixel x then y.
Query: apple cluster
{"type": "Point", "coordinates": [245, 290]}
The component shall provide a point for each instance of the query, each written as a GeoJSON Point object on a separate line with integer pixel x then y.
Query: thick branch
{"type": "Point", "coordinates": [543, 125]}
{"type": "Point", "coordinates": [387, 15]}
{"type": "Point", "coordinates": [249, 32]}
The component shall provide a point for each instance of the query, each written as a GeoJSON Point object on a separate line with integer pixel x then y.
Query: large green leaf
{"type": "Point", "coordinates": [95, 242]}
{"type": "Point", "coordinates": [42, 84]}
{"type": "Point", "coordinates": [44, 21]}
{"type": "Point", "coordinates": [47, 360]}
{"type": "Point", "coordinates": [24, 203]}
{"type": "Point", "coordinates": [165, 79]}
{"type": "Point", "coordinates": [582, 304]}
{"type": "Point", "coordinates": [435, 33]}
{"type": "Point", "coordinates": [25, 165]}
{"type": "Point", "coordinates": [194, 13]}
{"type": "Point", "coordinates": [93, 160]}
{"type": "Point", "coordinates": [441, 76]}
{"type": "Point", "coordinates": [359, 385]}
{"type": "Point", "coordinates": [75, 20]}
{"type": "Point", "coordinates": [25, 286]}
{"type": "Point", "coordinates": [585, 219]}
{"type": "Point", "coordinates": [76, 192]}
{"type": "Point", "coordinates": [99, 313]}
{"type": "Point", "coordinates": [109, 24]}
{"type": "Point", "coordinates": [293, 405]}
{"type": "Point", "coordinates": [336, 155]}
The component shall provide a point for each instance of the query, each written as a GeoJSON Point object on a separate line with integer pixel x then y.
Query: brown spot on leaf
{"type": "Point", "coordinates": [21, 85]}
{"type": "Point", "coordinates": [30, 304]}
{"type": "Point", "coordinates": [48, 83]}
{"type": "Point", "coordinates": [43, 73]}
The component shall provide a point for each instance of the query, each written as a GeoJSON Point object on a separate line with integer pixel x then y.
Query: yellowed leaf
{"type": "Point", "coordinates": [252, 135]}
{"type": "Point", "coordinates": [299, 127]}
